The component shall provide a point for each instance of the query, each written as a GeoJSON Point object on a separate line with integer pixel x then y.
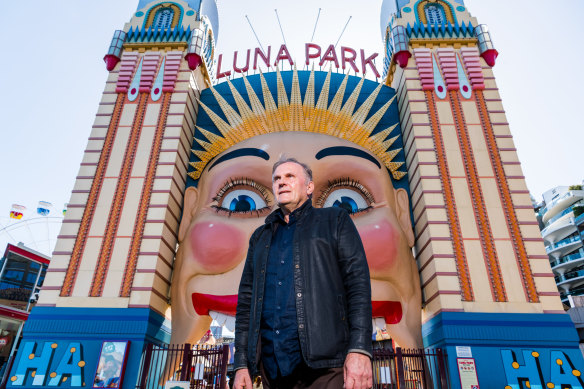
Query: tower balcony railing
{"type": "Point", "coordinates": [567, 199]}
{"type": "Point", "coordinates": [572, 259]}
{"type": "Point", "coordinates": [579, 291]}
{"type": "Point", "coordinates": [572, 276]}
{"type": "Point", "coordinates": [562, 243]}
{"type": "Point", "coordinates": [559, 230]}
{"type": "Point", "coordinates": [579, 219]}
{"type": "Point", "coordinates": [560, 215]}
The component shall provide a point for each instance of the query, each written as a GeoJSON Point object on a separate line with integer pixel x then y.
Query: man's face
{"type": "Point", "coordinates": [290, 186]}
{"type": "Point", "coordinates": [233, 198]}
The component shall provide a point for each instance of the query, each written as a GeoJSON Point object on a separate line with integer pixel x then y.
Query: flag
{"type": "Point", "coordinates": [17, 211]}
{"type": "Point", "coordinates": [44, 208]}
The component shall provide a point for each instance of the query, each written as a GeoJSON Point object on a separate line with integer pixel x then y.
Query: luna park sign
{"type": "Point", "coordinates": [345, 58]}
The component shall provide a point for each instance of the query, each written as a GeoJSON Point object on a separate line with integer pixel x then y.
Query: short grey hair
{"type": "Point", "coordinates": [305, 167]}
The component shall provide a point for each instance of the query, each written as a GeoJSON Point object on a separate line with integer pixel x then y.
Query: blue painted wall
{"type": "Point", "coordinates": [510, 349]}
{"type": "Point", "coordinates": [57, 339]}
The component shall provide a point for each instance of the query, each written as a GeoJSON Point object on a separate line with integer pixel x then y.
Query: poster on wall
{"type": "Point", "coordinates": [111, 365]}
{"type": "Point", "coordinates": [467, 371]}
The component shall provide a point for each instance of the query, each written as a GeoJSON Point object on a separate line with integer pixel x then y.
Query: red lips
{"type": "Point", "coordinates": [391, 311]}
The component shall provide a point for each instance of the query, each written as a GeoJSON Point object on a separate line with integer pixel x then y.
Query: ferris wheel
{"type": "Point", "coordinates": [37, 230]}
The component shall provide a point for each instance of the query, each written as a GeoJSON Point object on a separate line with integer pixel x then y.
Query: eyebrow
{"type": "Point", "coordinates": [245, 152]}
{"type": "Point", "coordinates": [345, 150]}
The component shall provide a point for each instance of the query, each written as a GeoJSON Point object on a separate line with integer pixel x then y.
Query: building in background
{"type": "Point", "coordinates": [22, 273]}
{"type": "Point", "coordinates": [561, 217]}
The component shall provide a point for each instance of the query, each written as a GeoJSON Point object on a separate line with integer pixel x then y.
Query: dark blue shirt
{"type": "Point", "coordinates": [280, 342]}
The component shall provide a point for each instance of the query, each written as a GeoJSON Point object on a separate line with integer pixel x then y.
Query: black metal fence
{"type": "Point", "coordinates": [410, 369]}
{"type": "Point", "coordinates": [204, 367]}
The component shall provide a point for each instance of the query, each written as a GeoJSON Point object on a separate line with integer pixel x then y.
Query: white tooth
{"type": "Point", "coordinates": [379, 323]}
{"type": "Point", "coordinates": [220, 318]}
{"type": "Point", "coordinates": [223, 320]}
{"type": "Point", "coordinates": [230, 323]}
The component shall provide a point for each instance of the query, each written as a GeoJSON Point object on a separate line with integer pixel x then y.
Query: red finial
{"type": "Point", "coordinates": [490, 56]}
{"type": "Point", "coordinates": [110, 61]}
{"type": "Point", "coordinates": [193, 60]}
{"type": "Point", "coordinates": [402, 58]}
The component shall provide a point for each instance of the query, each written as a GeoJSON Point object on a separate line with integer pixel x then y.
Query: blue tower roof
{"type": "Point", "coordinates": [194, 4]}
{"type": "Point", "coordinates": [206, 7]}
{"type": "Point", "coordinates": [390, 7]}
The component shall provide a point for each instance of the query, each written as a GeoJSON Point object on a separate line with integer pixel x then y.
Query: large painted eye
{"type": "Point", "coordinates": [241, 200]}
{"type": "Point", "coordinates": [346, 193]}
{"type": "Point", "coordinates": [348, 199]}
{"type": "Point", "coordinates": [242, 196]}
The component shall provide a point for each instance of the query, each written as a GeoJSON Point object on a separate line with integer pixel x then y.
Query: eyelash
{"type": "Point", "coordinates": [234, 183]}
{"type": "Point", "coordinates": [345, 182]}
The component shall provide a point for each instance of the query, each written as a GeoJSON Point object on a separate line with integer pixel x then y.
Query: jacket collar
{"type": "Point", "coordinates": [297, 214]}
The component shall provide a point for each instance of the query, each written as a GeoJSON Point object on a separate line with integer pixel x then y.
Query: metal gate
{"type": "Point", "coordinates": [204, 367]}
{"type": "Point", "coordinates": [410, 369]}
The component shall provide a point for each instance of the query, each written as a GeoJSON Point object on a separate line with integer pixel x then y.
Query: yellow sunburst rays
{"type": "Point", "coordinates": [336, 119]}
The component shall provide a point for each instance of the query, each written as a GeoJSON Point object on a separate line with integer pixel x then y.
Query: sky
{"type": "Point", "coordinates": [52, 75]}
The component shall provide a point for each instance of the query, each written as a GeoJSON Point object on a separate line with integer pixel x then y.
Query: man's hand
{"type": "Point", "coordinates": [357, 371]}
{"type": "Point", "coordinates": [242, 379]}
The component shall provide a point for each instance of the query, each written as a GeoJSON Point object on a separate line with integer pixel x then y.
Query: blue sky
{"type": "Point", "coordinates": [52, 76]}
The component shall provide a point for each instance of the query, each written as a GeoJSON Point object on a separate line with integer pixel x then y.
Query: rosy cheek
{"type": "Point", "coordinates": [217, 247]}
{"type": "Point", "coordinates": [380, 240]}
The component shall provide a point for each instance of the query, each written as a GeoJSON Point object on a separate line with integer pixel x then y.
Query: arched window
{"type": "Point", "coordinates": [163, 18]}
{"type": "Point", "coordinates": [435, 14]}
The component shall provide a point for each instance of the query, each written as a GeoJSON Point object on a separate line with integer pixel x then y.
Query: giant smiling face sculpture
{"type": "Point", "coordinates": [234, 197]}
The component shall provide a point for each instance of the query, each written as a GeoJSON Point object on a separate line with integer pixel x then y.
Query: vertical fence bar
{"type": "Point", "coordinates": [146, 365]}
{"type": "Point", "coordinates": [400, 368]}
{"type": "Point", "coordinates": [184, 371]}
{"type": "Point", "coordinates": [224, 362]}
{"type": "Point", "coordinates": [442, 369]}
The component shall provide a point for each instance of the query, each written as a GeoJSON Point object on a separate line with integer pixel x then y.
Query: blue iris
{"type": "Point", "coordinates": [347, 203]}
{"type": "Point", "coordinates": [242, 203]}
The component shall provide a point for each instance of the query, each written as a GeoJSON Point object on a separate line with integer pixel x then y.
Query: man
{"type": "Point", "coordinates": [304, 303]}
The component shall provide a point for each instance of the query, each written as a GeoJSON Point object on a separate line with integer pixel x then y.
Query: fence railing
{"type": "Point", "coordinates": [205, 367]}
{"type": "Point", "coordinates": [410, 369]}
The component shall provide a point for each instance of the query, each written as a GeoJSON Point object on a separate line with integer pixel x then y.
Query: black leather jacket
{"type": "Point", "coordinates": [331, 286]}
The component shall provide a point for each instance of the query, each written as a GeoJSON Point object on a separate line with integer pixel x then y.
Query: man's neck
{"type": "Point", "coordinates": [287, 209]}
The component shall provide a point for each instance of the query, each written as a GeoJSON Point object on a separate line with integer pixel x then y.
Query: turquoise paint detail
{"type": "Point", "coordinates": [407, 9]}
{"type": "Point", "coordinates": [69, 366]}
{"type": "Point", "coordinates": [40, 363]}
{"type": "Point", "coordinates": [529, 371]}
{"type": "Point", "coordinates": [460, 9]}
{"type": "Point", "coordinates": [43, 366]}
{"type": "Point", "coordinates": [439, 84]}
{"type": "Point", "coordinates": [139, 13]}
{"type": "Point", "coordinates": [134, 89]}
{"type": "Point", "coordinates": [182, 12]}
{"type": "Point", "coordinates": [190, 13]}
{"type": "Point", "coordinates": [449, 6]}
{"type": "Point", "coordinates": [463, 82]}
{"type": "Point", "coordinates": [562, 374]}
{"type": "Point", "coordinates": [177, 34]}
{"type": "Point", "coordinates": [156, 92]}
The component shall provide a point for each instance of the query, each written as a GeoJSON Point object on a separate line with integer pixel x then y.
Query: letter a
{"type": "Point", "coordinates": [282, 55]}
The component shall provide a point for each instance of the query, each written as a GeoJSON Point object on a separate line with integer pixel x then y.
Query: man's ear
{"type": "Point", "coordinates": [310, 188]}
{"type": "Point", "coordinates": [402, 206]}
{"type": "Point", "coordinates": [189, 209]}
